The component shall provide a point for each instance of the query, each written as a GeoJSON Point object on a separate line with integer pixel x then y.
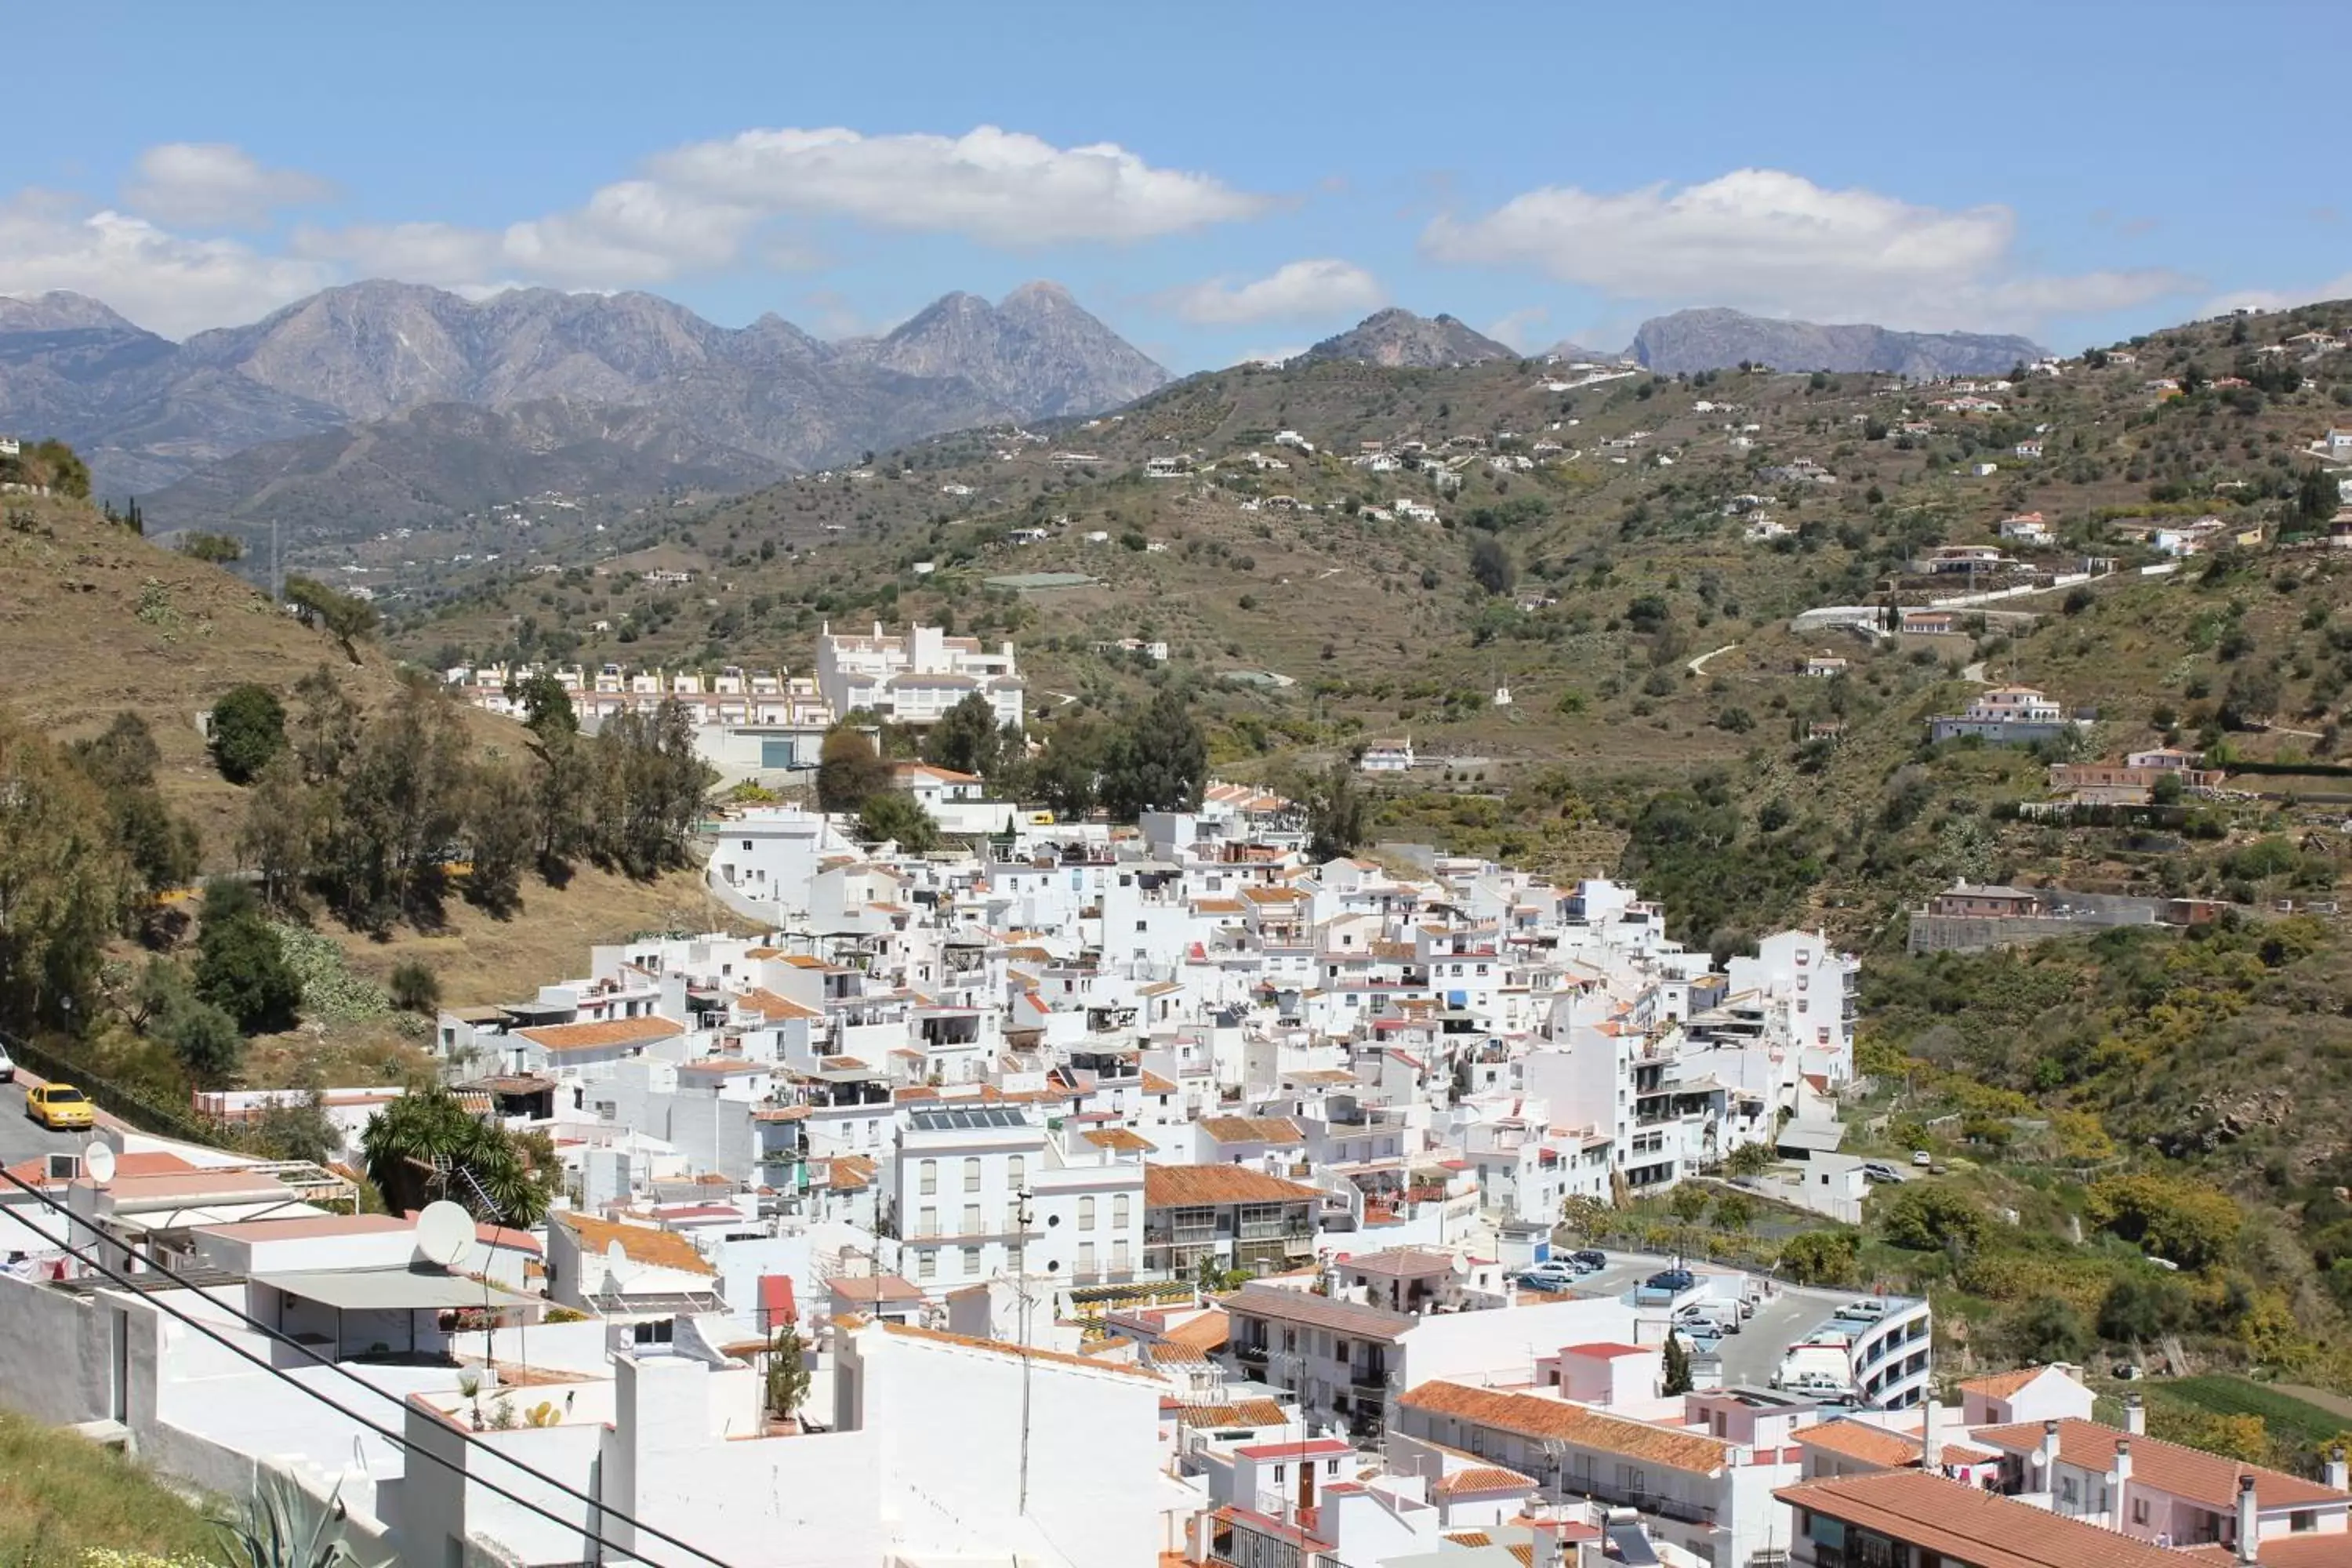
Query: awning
{"type": "Point", "coordinates": [392, 1289]}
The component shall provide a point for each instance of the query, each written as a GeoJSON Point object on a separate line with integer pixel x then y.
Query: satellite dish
{"type": "Point", "coordinates": [97, 1163]}
{"type": "Point", "coordinates": [619, 1267]}
{"type": "Point", "coordinates": [445, 1233]}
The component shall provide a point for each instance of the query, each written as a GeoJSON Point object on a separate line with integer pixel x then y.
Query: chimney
{"type": "Point", "coordinates": [2250, 1527]}
{"type": "Point", "coordinates": [2338, 1475]}
{"type": "Point", "coordinates": [2135, 1415]}
{"type": "Point", "coordinates": [2048, 1455]}
{"type": "Point", "coordinates": [2118, 1483]}
{"type": "Point", "coordinates": [1931, 1438]}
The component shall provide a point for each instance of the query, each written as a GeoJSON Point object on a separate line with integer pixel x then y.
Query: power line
{"type": "Point", "coordinates": [396, 1440]}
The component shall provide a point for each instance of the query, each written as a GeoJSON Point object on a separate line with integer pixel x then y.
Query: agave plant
{"type": "Point", "coordinates": [285, 1525]}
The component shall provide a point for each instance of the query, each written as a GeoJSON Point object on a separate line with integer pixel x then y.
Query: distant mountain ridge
{"type": "Point", "coordinates": [148, 412]}
{"type": "Point", "coordinates": [1401, 340]}
{"type": "Point", "coordinates": [1689, 340]}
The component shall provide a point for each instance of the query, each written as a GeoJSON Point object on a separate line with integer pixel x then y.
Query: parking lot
{"type": "Point", "coordinates": [1788, 1315]}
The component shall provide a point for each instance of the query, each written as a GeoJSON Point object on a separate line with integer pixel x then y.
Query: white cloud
{"type": "Point", "coordinates": [1273, 356]}
{"type": "Point", "coordinates": [1522, 330]}
{"type": "Point", "coordinates": [213, 184]}
{"type": "Point", "coordinates": [1325, 287]}
{"type": "Point", "coordinates": [165, 282]}
{"type": "Point", "coordinates": [999, 187]}
{"type": "Point", "coordinates": [1764, 240]}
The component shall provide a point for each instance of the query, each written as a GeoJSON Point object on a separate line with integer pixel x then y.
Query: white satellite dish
{"type": "Point", "coordinates": [445, 1233]}
{"type": "Point", "coordinates": [97, 1163]}
{"type": "Point", "coordinates": [619, 1267]}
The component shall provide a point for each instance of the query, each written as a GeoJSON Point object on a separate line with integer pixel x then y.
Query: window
{"type": "Point", "coordinates": [971, 1175]}
{"type": "Point", "coordinates": [970, 1219]}
{"type": "Point", "coordinates": [929, 1177]}
{"type": "Point", "coordinates": [1119, 1258]}
{"type": "Point", "coordinates": [1017, 1171]}
{"type": "Point", "coordinates": [1143, 925]}
{"type": "Point", "coordinates": [926, 1221]}
{"type": "Point", "coordinates": [1086, 1257]}
{"type": "Point", "coordinates": [2139, 1510]}
{"type": "Point", "coordinates": [972, 1261]}
{"type": "Point", "coordinates": [654, 1333]}
{"type": "Point", "coordinates": [1086, 1213]}
{"type": "Point", "coordinates": [2302, 1520]}
{"type": "Point", "coordinates": [927, 1264]}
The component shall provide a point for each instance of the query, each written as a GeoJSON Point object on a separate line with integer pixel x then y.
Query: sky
{"type": "Point", "coordinates": [1217, 182]}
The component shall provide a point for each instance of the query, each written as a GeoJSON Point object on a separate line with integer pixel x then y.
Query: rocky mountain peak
{"type": "Point", "coordinates": [1398, 338]}
{"type": "Point", "coordinates": [1713, 339]}
{"type": "Point", "coordinates": [58, 310]}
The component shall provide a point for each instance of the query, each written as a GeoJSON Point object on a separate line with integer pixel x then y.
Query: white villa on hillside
{"type": "Point", "coordinates": [916, 678]}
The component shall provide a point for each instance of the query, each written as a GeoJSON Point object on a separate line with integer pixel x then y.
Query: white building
{"type": "Point", "coordinates": [915, 678]}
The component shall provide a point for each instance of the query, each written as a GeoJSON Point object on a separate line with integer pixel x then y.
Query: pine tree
{"type": "Point", "coordinates": [1677, 1366]}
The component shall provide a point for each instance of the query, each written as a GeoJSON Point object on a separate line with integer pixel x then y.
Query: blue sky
{"type": "Point", "coordinates": [1214, 180]}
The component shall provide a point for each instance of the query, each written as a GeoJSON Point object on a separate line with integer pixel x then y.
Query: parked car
{"type": "Point", "coordinates": [7, 1067]}
{"type": "Point", "coordinates": [1549, 1276]}
{"type": "Point", "coordinates": [61, 1107]}
{"type": "Point", "coordinates": [1880, 1171]}
{"type": "Point", "coordinates": [1674, 1282]}
{"type": "Point", "coordinates": [1920, 1158]}
{"type": "Point", "coordinates": [1591, 1259]}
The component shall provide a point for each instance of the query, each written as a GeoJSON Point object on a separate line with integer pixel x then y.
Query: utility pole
{"type": "Point", "coordinates": [1021, 1283]}
{"type": "Point", "coordinates": [276, 567]}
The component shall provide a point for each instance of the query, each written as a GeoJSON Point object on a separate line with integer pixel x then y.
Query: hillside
{"type": "Point", "coordinates": [1401, 339]}
{"type": "Point", "coordinates": [428, 465]}
{"type": "Point", "coordinates": [1692, 341]}
{"type": "Point", "coordinates": [99, 622]}
{"type": "Point", "coordinates": [146, 411]}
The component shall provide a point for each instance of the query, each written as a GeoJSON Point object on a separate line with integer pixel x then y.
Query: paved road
{"type": "Point", "coordinates": [22, 1138]}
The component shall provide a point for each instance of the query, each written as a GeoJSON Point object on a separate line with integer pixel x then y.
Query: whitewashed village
{"type": "Point", "coordinates": [1091, 1194]}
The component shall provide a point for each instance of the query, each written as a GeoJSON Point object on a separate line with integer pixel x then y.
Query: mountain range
{"type": "Point", "coordinates": [748, 403]}
{"type": "Point", "coordinates": [1691, 340]}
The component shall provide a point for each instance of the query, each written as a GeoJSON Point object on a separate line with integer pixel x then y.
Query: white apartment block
{"type": "Point", "coordinates": [915, 678]}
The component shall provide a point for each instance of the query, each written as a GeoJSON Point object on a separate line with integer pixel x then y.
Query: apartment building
{"type": "Point", "coordinates": [915, 677]}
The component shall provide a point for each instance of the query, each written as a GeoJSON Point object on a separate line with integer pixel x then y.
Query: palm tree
{"type": "Point", "coordinates": [410, 1143]}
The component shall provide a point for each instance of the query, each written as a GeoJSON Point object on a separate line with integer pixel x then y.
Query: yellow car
{"type": "Point", "coordinates": [60, 1107]}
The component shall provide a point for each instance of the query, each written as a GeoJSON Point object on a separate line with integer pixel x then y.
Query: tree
{"type": "Point", "coordinates": [213, 549]}
{"type": "Point", "coordinates": [281, 828]}
{"type": "Point", "coordinates": [122, 757]}
{"type": "Point", "coordinates": [1064, 776]}
{"type": "Point", "coordinates": [788, 1373]}
{"type": "Point", "coordinates": [342, 615]}
{"type": "Point", "coordinates": [1157, 761]}
{"type": "Point", "coordinates": [896, 816]}
{"type": "Point", "coordinates": [1820, 1257]}
{"type": "Point", "coordinates": [326, 730]}
{"type": "Point", "coordinates": [1735, 1212]}
{"type": "Point", "coordinates": [849, 771]}
{"type": "Point", "coordinates": [966, 737]}
{"type": "Point", "coordinates": [1338, 812]}
{"type": "Point", "coordinates": [241, 967]}
{"type": "Point", "coordinates": [1491, 565]}
{"type": "Point", "coordinates": [399, 809]}
{"type": "Point", "coordinates": [2177, 1220]}
{"type": "Point", "coordinates": [1676, 1365]}
{"type": "Point", "coordinates": [248, 729]}
{"type": "Point", "coordinates": [647, 790]}
{"type": "Point", "coordinates": [1928, 1216]}
{"type": "Point", "coordinates": [163, 850]}
{"type": "Point", "coordinates": [502, 835]}
{"type": "Point", "coordinates": [402, 1143]}
{"type": "Point", "coordinates": [1688, 1202]}
{"type": "Point", "coordinates": [413, 987]}
{"type": "Point", "coordinates": [2140, 1306]}
{"type": "Point", "coordinates": [2315, 498]}
{"type": "Point", "coordinates": [204, 1039]}
{"type": "Point", "coordinates": [2046, 1330]}
{"type": "Point", "coordinates": [64, 891]}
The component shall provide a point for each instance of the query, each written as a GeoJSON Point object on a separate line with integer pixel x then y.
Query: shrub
{"type": "Point", "coordinates": [413, 987]}
{"type": "Point", "coordinates": [248, 729]}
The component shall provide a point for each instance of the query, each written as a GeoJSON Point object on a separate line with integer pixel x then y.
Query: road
{"type": "Point", "coordinates": [21, 1137]}
{"type": "Point", "coordinates": [1698, 665]}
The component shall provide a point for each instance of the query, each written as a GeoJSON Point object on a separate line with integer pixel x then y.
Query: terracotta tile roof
{"type": "Point", "coordinates": [1181, 1186]}
{"type": "Point", "coordinates": [1002, 1347]}
{"type": "Point", "coordinates": [1154, 1084]}
{"type": "Point", "coordinates": [1286, 1305]}
{"type": "Point", "coordinates": [1485, 1479]}
{"type": "Point", "coordinates": [1120, 1138]}
{"type": "Point", "coordinates": [35, 1171]}
{"type": "Point", "coordinates": [612, 1032]}
{"type": "Point", "coordinates": [850, 1172]}
{"type": "Point", "coordinates": [1208, 1331]}
{"type": "Point", "coordinates": [1860, 1440]}
{"type": "Point", "coordinates": [1400, 1261]}
{"type": "Point", "coordinates": [2208, 1480]}
{"type": "Point", "coordinates": [639, 1243]}
{"type": "Point", "coordinates": [1242, 1413]}
{"type": "Point", "coordinates": [876, 1288]}
{"type": "Point", "coordinates": [1530, 1415]}
{"type": "Point", "coordinates": [775, 1009]}
{"type": "Point", "coordinates": [1251, 1130]}
{"type": "Point", "coordinates": [1966, 1525]}
{"type": "Point", "coordinates": [2313, 1549]}
{"type": "Point", "coordinates": [2001, 1385]}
